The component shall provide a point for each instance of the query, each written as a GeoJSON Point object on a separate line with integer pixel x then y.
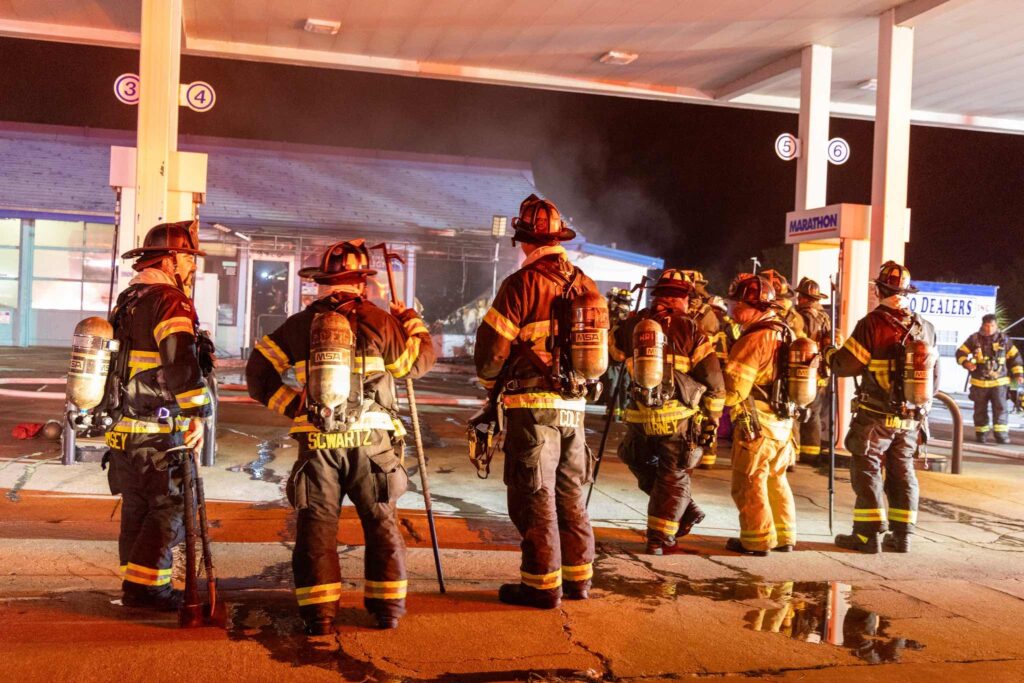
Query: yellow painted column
{"type": "Point", "coordinates": [159, 75]}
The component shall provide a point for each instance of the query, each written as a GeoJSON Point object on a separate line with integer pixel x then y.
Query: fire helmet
{"type": "Point", "coordinates": [753, 290]}
{"type": "Point", "coordinates": [810, 289]}
{"type": "Point", "coordinates": [539, 222]}
{"type": "Point", "coordinates": [779, 283]}
{"type": "Point", "coordinates": [341, 262]}
{"type": "Point", "coordinates": [166, 239]}
{"type": "Point", "coordinates": [718, 303]}
{"type": "Point", "coordinates": [894, 278]}
{"type": "Point", "coordinates": [673, 282]}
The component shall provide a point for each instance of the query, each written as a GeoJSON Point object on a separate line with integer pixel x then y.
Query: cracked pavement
{"type": "Point", "coordinates": [953, 609]}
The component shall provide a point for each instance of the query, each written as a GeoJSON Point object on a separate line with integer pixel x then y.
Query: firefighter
{"type": "Point", "coordinates": [784, 298]}
{"type": "Point", "coordinates": [361, 459]}
{"type": "Point", "coordinates": [884, 431]}
{"type": "Point", "coordinates": [818, 326]}
{"type": "Point", "coordinates": [670, 423]}
{"type": "Point", "coordinates": [762, 433]}
{"type": "Point", "coordinates": [728, 333]}
{"type": "Point", "coordinates": [991, 357]}
{"type": "Point", "coordinates": [620, 305]}
{"type": "Point", "coordinates": [700, 311]}
{"type": "Point", "coordinates": [164, 397]}
{"type": "Point", "coordinates": [547, 461]}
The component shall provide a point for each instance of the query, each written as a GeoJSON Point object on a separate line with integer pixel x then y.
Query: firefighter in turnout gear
{"type": "Point", "coordinates": [728, 332]}
{"type": "Point", "coordinates": [160, 377]}
{"type": "Point", "coordinates": [344, 346]}
{"type": "Point", "coordinates": [991, 357]}
{"type": "Point", "coordinates": [676, 401]}
{"type": "Point", "coordinates": [547, 461]}
{"type": "Point", "coordinates": [886, 427]}
{"type": "Point", "coordinates": [699, 309]}
{"type": "Point", "coordinates": [784, 300]}
{"type": "Point", "coordinates": [762, 428]}
{"type": "Point", "coordinates": [817, 326]}
{"type": "Point", "coordinates": [620, 305]}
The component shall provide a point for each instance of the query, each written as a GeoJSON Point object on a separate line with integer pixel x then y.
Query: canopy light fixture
{"type": "Point", "coordinates": [618, 58]}
{"type": "Point", "coordinates": [498, 226]}
{"type": "Point", "coordinates": [322, 26]}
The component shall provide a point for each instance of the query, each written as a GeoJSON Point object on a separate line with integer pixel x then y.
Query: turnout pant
{"type": "Point", "coordinates": [874, 447]}
{"type": "Point", "coordinates": [373, 478]}
{"type": "Point", "coordinates": [152, 508]}
{"type": "Point", "coordinates": [658, 463]}
{"type": "Point", "coordinates": [547, 465]}
{"type": "Point", "coordinates": [761, 490]}
{"type": "Point", "coordinates": [997, 397]}
{"type": "Point", "coordinates": [810, 431]}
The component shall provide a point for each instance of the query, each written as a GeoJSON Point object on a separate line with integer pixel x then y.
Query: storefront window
{"type": "Point", "coordinates": [8, 294]}
{"type": "Point", "coordinates": [10, 232]}
{"type": "Point", "coordinates": [60, 234]}
{"type": "Point", "coordinates": [226, 269]}
{"type": "Point", "coordinates": [71, 265]}
{"type": "Point", "coordinates": [8, 262]}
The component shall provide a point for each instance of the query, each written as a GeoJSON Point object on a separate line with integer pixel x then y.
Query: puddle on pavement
{"type": "Point", "coordinates": [809, 611]}
{"type": "Point", "coordinates": [257, 469]}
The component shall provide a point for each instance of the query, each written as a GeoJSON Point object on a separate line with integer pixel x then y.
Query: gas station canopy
{"type": "Point", "coordinates": [968, 56]}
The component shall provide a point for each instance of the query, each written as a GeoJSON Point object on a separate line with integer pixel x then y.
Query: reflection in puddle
{"type": "Point", "coordinates": [257, 468]}
{"type": "Point", "coordinates": [809, 611]}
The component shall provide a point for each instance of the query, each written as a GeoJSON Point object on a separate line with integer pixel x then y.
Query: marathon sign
{"type": "Point", "coordinates": [828, 223]}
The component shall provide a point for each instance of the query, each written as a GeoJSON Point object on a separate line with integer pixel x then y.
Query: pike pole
{"type": "Point", "coordinates": [833, 407]}
{"type": "Point", "coordinates": [421, 457]}
{"type": "Point", "coordinates": [614, 398]}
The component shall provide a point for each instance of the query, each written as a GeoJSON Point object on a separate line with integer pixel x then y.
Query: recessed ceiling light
{"type": "Point", "coordinates": [618, 58]}
{"type": "Point", "coordinates": [870, 84]}
{"type": "Point", "coordinates": [322, 26]}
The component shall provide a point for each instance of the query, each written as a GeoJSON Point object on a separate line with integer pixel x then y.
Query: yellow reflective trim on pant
{"type": "Point", "coordinates": [708, 458]}
{"type": "Point", "coordinates": [194, 398]}
{"type": "Point", "coordinates": [754, 536]}
{"type": "Point", "coordinates": [858, 350]}
{"type": "Point", "coordinates": [868, 515]}
{"type": "Point", "coordinates": [403, 364]}
{"type": "Point", "coordinates": [983, 430]}
{"type": "Point", "coordinates": [173, 326]}
{"type": "Point", "coordinates": [281, 399]}
{"type": "Point", "coordinates": [989, 383]}
{"type": "Point", "coordinates": [810, 450]}
{"type": "Point", "coordinates": [667, 526]}
{"type": "Point", "coordinates": [147, 576]}
{"type": "Point", "coordinates": [1002, 428]}
{"type": "Point", "coordinates": [314, 595]}
{"type": "Point", "coordinates": [544, 400]}
{"type": "Point", "coordinates": [273, 353]}
{"type": "Point", "coordinates": [542, 582]}
{"type": "Point", "coordinates": [486, 383]}
{"type": "Point", "coordinates": [905, 516]}
{"type": "Point", "coordinates": [578, 572]}
{"type": "Point", "coordinates": [502, 325]}
{"type": "Point", "coordinates": [386, 590]}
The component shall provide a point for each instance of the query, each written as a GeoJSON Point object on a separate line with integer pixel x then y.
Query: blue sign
{"type": "Point", "coordinates": [828, 222]}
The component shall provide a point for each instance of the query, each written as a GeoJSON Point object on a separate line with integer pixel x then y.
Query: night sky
{"type": "Point", "coordinates": [698, 185]}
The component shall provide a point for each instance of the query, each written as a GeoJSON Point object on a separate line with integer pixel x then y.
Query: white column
{"type": "Point", "coordinates": [159, 67]}
{"type": "Point", "coordinates": [410, 275]}
{"type": "Point", "coordinates": [817, 260]}
{"type": "Point", "coordinates": [892, 141]}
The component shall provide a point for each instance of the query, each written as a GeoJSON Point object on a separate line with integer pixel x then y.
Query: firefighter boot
{"type": "Point", "coordinates": [869, 543]}
{"type": "Point", "coordinates": [692, 516]}
{"type": "Point", "coordinates": [736, 546]}
{"type": "Point", "coordinates": [163, 601]}
{"type": "Point", "coordinates": [981, 437]}
{"type": "Point", "coordinates": [524, 596]}
{"type": "Point", "coordinates": [321, 626]}
{"type": "Point", "coordinates": [895, 542]}
{"type": "Point", "coordinates": [1002, 437]}
{"type": "Point", "coordinates": [385, 623]}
